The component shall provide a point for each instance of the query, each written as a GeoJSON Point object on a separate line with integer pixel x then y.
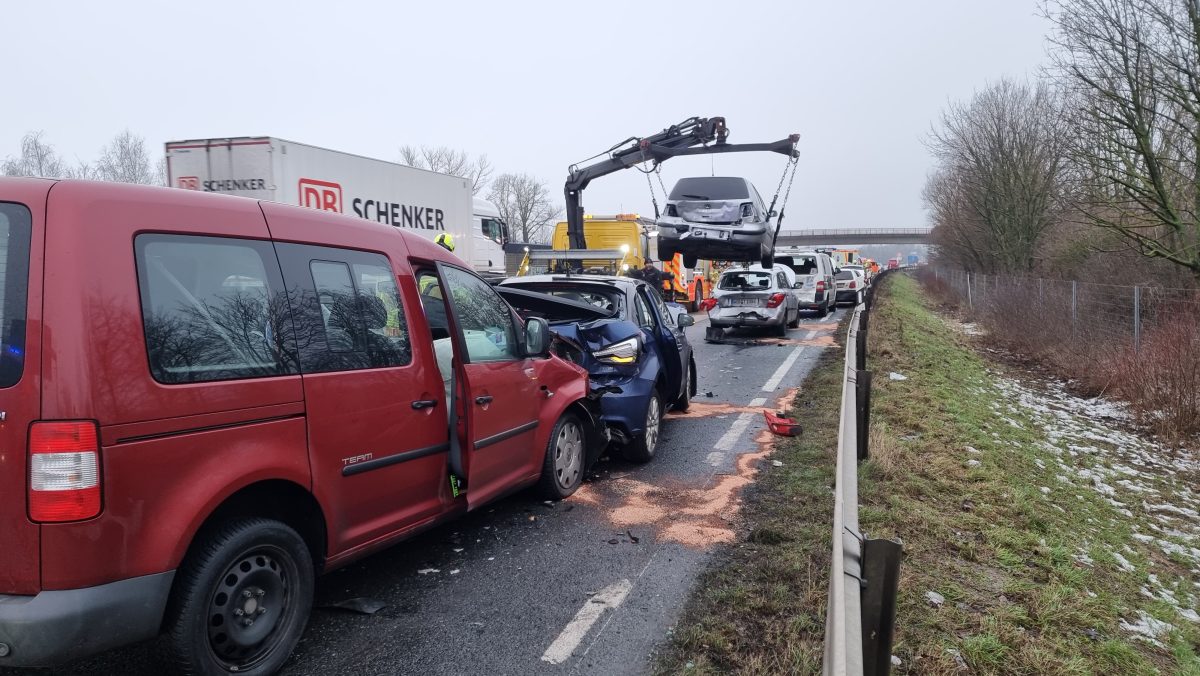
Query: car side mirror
{"type": "Point", "coordinates": [537, 337]}
{"type": "Point", "coordinates": [685, 320]}
{"type": "Point", "coordinates": [798, 285]}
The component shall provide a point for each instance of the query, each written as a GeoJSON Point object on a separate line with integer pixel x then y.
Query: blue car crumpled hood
{"type": "Point", "coordinates": [595, 335]}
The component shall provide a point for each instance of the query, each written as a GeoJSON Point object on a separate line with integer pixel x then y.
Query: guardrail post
{"type": "Point", "coordinates": [1137, 319]}
{"type": "Point", "coordinates": [862, 410]}
{"type": "Point", "coordinates": [881, 578]}
{"type": "Point", "coordinates": [860, 348]}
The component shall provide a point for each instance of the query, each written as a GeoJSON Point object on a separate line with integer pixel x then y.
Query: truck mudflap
{"type": "Point", "coordinates": [57, 626]}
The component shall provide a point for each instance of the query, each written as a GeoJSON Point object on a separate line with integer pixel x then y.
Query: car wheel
{"type": "Point", "coordinates": [566, 451]}
{"type": "Point", "coordinates": [240, 601]}
{"type": "Point", "coordinates": [642, 449]}
{"type": "Point", "coordinates": [689, 260]}
{"type": "Point", "coordinates": [781, 330]}
{"type": "Point", "coordinates": [689, 385]}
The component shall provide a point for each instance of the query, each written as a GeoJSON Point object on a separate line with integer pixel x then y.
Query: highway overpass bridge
{"type": "Point", "coordinates": [849, 236]}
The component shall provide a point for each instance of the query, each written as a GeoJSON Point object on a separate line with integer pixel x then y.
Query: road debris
{"type": "Point", "coordinates": [358, 604]}
{"type": "Point", "coordinates": [632, 538]}
{"type": "Point", "coordinates": [896, 376]}
{"type": "Point", "coordinates": [776, 463]}
{"type": "Point", "coordinates": [426, 571]}
{"type": "Point", "coordinates": [780, 424]}
{"type": "Point", "coordinates": [935, 599]}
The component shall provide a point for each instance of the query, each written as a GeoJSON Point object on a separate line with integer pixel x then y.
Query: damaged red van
{"type": "Point", "coordinates": [205, 401]}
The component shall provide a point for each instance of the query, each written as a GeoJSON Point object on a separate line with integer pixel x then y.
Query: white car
{"type": "Point", "coordinates": [814, 279]}
{"type": "Point", "coordinates": [850, 286]}
{"type": "Point", "coordinates": [754, 297]}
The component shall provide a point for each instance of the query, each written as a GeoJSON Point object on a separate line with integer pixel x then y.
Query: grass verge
{"type": "Point", "coordinates": [1008, 518]}
{"type": "Point", "coordinates": [760, 609]}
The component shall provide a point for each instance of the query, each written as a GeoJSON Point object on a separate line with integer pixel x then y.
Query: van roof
{"type": "Point", "coordinates": [164, 196]}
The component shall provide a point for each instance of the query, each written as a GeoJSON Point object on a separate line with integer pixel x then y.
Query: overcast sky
{"type": "Point", "coordinates": [534, 85]}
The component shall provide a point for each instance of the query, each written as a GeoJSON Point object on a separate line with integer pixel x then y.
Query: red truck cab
{"type": "Point", "coordinates": [207, 400]}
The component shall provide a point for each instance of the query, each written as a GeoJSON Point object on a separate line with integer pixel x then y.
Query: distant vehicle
{"type": "Point", "coordinates": [423, 202]}
{"type": "Point", "coordinates": [913, 259]}
{"type": "Point", "coordinates": [862, 271]}
{"type": "Point", "coordinates": [814, 279]}
{"type": "Point", "coordinates": [893, 263]}
{"type": "Point", "coordinates": [716, 218]}
{"type": "Point", "coordinates": [850, 285]}
{"type": "Point", "coordinates": [631, 341]}
{"type": "Point", "coordinates": [297, 389]}
{"type": "Point", "coordinates": [755, 298]}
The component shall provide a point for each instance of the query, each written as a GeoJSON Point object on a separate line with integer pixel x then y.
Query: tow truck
{"type": "Point", "coordinates": [693, 136]}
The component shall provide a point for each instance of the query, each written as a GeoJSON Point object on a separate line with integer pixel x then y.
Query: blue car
{"type": "Point", "coordinates": [631, 343]}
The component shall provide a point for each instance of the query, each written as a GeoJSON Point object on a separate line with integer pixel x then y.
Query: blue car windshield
{"type": "Point", "coordinates": [608, 299]}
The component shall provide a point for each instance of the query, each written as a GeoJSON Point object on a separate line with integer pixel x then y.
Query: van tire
{"type": "Point", "coordinates": [566, 455]}
{"type": "Point", "coordinates": [262, 560]}
{"type": "Point", "coordinates": [642, 449]}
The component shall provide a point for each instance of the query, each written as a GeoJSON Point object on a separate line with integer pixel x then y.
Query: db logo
{"type": "Point", "coordinates": [189, 182]}
{"type": "Point", "coordinates": [321, 195]}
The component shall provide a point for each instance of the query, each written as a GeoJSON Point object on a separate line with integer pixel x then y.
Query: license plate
{"type": "Point", "coordinates": [705, 233]}
{"type": "Point", "coordinates": [744, 302]}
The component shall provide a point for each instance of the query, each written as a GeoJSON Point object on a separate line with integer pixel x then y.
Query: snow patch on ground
{"type": "Point", "coordinates": [1149, 487]}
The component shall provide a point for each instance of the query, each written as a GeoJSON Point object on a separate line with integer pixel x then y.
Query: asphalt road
{"type": "Point", "coordinates": [589, 585]}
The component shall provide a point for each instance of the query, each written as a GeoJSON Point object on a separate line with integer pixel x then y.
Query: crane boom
{"type": "Point", "coordinates": [693, 136]}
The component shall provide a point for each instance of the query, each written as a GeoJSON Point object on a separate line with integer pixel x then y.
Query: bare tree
{"type": "Point", "coordinates": [524, 203]}
{"type": "Point", "coordinates": [1132, 71]}
{"type": "Point", "coordinates": [998, 186]}
{"type": "Point", "coordinates": [447, 160]}
{"type": "Point", "coordinates": [125, 160]}
{"type": "Point", "coordinates": [37, 158]}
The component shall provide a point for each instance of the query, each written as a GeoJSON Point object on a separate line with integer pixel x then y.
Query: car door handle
{"type": "Point", "coordinates": [483, 399]}
{"type": "Point", "coordinates": [424, 403]}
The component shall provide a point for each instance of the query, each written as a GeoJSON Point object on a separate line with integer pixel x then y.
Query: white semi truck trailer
{"type": "Point", "coordinates": [425, 202]}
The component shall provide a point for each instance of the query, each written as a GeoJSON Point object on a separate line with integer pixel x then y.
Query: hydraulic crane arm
{"type": "Point", "coordinates": [693, 136]}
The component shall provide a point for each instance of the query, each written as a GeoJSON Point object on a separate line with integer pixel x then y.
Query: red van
{"type": "Point", "coordinates": [207, 400]}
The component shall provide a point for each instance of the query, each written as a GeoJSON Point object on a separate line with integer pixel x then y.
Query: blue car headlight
{"type": "Point", "coordinates": [623, 353]}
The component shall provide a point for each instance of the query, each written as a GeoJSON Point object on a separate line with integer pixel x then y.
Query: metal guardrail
{"type": "Point", "coordinates": [865, 572]}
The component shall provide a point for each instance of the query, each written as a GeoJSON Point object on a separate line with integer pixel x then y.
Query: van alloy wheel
{"type": "Point", "coordinates": [568, 454]}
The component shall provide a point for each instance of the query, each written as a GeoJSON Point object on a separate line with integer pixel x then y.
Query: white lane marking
{"type": "Point", "coordinates": [727, 440]}
{"type": "Point", "coordinates": [811, 334]}
{"type": "Point", "coordinates": [572, 635]}
{"type": "Point", "coordinates": [715, 458]}
{"type": "Point", "coordinates": [783, 369]}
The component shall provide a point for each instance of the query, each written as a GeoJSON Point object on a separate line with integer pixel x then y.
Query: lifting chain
{"type": "Point", "coordinates": [791, 166]}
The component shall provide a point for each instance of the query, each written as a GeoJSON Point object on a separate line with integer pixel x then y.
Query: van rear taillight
{"type": "Point", "coordinates": [64, 471]}
{"type": "Point", "coordinates": [820, 285]}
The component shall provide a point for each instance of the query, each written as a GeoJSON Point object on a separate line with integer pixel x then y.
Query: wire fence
{"type": "Point", "coordinates": [1075, 313]}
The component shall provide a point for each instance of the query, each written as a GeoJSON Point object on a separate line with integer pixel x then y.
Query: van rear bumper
{"type": "Point", "coordinates": [60, 625]}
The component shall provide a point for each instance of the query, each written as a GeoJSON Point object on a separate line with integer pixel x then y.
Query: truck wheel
{"type": "Point", "coordinates": [562, 470]}
{"type": "Point", "coordinates": [689, 385]}
{"type": "Point", "coordinates": [697, 297]}
{"type": "Point", "coordinates": [689, 260]}
{"type": "Point", "coordinates": [241, 600]}
{"type": "Point", "coordinates": [642, 449]}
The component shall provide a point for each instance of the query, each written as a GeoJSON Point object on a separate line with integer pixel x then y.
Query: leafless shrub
{"type": "Point", "coordinates": [446, 160]}
{"type": "Point", "coordinates": [1162, 380]}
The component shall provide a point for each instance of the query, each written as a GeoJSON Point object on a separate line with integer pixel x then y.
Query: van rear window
{"type": "Point", "coordinates": [213, 309]}
{"type": "Point", "coordinates": [710, 188]}
{"type": "Point", "coordinates": [15, 226]}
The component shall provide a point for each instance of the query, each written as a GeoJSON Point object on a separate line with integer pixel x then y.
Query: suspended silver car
{"type": "Point", "coordinates": [716, 218]}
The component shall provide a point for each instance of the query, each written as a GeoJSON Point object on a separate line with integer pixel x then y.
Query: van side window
{"type": "Point", "coordinates": [347, 310]}
{"type": "Point", "coordinates": [212, 309]}
{"type": "Point", "coordinates": [15, 227]}
{"type": "Point", "coordinates": [485, 320]}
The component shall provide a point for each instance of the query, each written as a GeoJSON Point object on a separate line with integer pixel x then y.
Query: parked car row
{"type": "Point", "coordinates": [215, 398]}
